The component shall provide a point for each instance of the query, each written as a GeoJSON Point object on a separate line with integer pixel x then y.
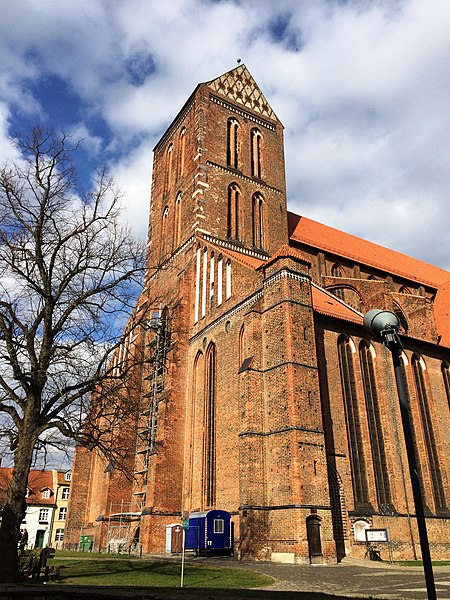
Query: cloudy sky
{"type": "Point", "coordinates": [362, 87]}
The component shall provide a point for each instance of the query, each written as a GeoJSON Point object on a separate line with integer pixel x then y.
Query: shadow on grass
{"type": "Point", "coordinates": [146, 580]}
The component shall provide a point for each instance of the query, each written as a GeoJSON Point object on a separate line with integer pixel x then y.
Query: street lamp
{"type": "Point", "coordinates": [384, 325]}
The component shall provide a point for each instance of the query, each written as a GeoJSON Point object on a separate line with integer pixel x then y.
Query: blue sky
{"type": "Point", "coordinates": [362, 87]}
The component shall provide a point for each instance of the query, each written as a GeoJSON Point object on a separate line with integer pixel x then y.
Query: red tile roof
{"type": "Point", "coordinates": [442, 314]}
{"type": "Point", "coordinates": [326, 304]}
{"type": "Point", "coordinates": [37, 482]}
{"type": "Point", "coordinates": [320, 236]}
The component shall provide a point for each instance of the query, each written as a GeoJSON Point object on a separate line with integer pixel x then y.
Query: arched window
{"type": "Point", "coordinates": [359, 530]}
{"type": "Point", "coordinates": [256, 153]}
{"type": "Point", "coordinates": [204, 280]}
{"type": "Point", "coordinates": [181, 151]}
{"type": "Point", "coordinates": [232, 143]}
{"type": "Point", "coordinates": [257, 220]}
{"type": "Point", "coordinates": [336, 271]}
{"type": "Point", "coordinates": [210, 436]}
{"type": "Point", "coordinates": [164, 232]}
{"type": "Point", "coordinates": [196, 449]}
{"type": "Point", "coordinates": [428, 432]}
{"type": "Point", "coordinates": [233, 211]}
{"type": "Point", "coordinates": [242, 349]}
{"type": "Point", "coordinates": [211, 281]}
{"type": "Point", "coordinates": [228, 280]}
{"type": "Point", "coordinates": [198, 269]}
{"type": "Point", "coordinates": [169, 164]}
{"type": "Point", "coordinates": [355, 442]}
{"type": "Point", "coordinates": [446, 377]}
{"type": "Point", "coordinates": [375, 428]}
{"type": "Point", "coordinates": [219, 280]}
{"type": "Point", "coordinates": [178, 221]}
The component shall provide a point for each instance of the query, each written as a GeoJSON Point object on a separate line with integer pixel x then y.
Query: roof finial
{"type": "Point", "coordinates": [238, 61]}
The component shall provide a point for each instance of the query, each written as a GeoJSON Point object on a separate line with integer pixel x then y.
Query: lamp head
{"type": "Point", "coordinates": [378, 322]}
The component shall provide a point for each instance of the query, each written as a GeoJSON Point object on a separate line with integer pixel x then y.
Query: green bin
{"type": "Point", "coordinates": [85, 543]}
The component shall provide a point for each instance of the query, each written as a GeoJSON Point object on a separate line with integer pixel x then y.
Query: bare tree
{"type": "Point", "coordinates": [70, 274]}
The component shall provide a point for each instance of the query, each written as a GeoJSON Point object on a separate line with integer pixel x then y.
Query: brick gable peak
{"type": "Point", "coordinates": [239, 86]}
{"type": "Point", "coordinates": [286, 251]}
{"type": "Point", "coordinates": [249, 258]}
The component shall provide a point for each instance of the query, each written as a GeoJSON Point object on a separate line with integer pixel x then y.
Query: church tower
{"type": "Point", "coordinates": [219, 169]}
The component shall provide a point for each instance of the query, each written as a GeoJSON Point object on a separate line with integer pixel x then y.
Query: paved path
{"type": "Point", "coordinates": [352, 577]}
{"type": "Point", "coordinates": [355, 577]}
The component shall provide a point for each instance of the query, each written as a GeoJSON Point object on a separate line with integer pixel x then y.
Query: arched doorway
{"type": "Point", "coordinates": [314, 541]}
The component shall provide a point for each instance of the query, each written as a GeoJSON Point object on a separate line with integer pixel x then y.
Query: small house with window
{"type": "Point", "coordinates": [209, 532]}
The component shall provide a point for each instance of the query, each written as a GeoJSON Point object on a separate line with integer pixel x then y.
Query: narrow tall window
{"type": "Point", "coordinates": [232, 143]}
{"type": "Point", "coordinates": [164, 232]}
{"type": "Point", "coordinates": [169, 164]}
{"type": "Point", "coordinates": [211, 281]}
{"type": "Point", "coordinates": [177, 224]}
{"type": "Point", "coordinates": [204, 280]}
{"type": "Point", "coordinates": [228, 280]}
{"type": "Point", "coordinates": [182, 150]}
{"type": "Point", "coordinates": [197, 284]}
{"type": "Point", "coordinates": [257, 220]}
{"type": "Point", "coordinates": [446, 377]}
{"type": "Point", "coordinates": [256, 153]}
{"type": "Point", "coordinates": [233, 212]}
{"type": "Point", "coordinates": [210, 436]}
{"type": "Point", "coordinates": [428, 433]}
{"type": "Point", "coordinates": [355, 442]}
{"type": "Point", "coordinates": [219, 280]}
{"type": "Point", "coordinates": [336, 271]}
{"type": "Point", "coordinates": [375, 428]}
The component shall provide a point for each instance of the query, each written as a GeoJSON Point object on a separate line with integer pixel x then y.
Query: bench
{"type": "Point", "coordinates": [42, 568]}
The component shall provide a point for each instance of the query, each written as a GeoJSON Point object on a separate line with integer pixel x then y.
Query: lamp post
{"type": "Point", "coordinates": [384, 325]}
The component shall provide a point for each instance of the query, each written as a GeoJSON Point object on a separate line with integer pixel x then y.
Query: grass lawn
{"type": "Point", "coordinates": [86, 569]}
{"type": "Point", "coordinates": [132, 572]}
{"type": "Point", "coordinates": [419, 563]}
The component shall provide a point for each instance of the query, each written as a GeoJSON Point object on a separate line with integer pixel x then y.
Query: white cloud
{"type": "Point", "coordinates": [362, 87]}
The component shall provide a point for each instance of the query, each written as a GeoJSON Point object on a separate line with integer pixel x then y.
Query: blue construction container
{"type": "Point", "coordinates": [210, 532]}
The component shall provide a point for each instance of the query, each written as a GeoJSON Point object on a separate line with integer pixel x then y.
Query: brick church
{"type": "Point", "coordinates": [261, 392]}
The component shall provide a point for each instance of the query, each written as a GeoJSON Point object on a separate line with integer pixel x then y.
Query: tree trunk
{"type": "Point", "coordinates": [14, 510]}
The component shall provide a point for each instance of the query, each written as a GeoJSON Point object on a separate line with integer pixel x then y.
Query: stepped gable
{"type": "Point", "coordinates": [239, 86]}
{"type": "Point", "coordinates": [327, 238]}
{"type": "Point", "coordinates": [442, 314]}
{"type": "Point", "coordinates": [330, 306]}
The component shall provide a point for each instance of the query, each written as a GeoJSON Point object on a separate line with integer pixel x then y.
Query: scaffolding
{"type": "Point", "coordinates": [157, 345]}
{"type": "Point", "coordinates": [123, 528]}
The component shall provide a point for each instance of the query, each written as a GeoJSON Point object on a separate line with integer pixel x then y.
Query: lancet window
{"type": "Point", "coordinates": [178, 221]}
{"type": "Point", "coordinates": [164, 232]}
{"type": "Point", "coordinates": [210, 435]}
{"type": "Point", "coordinates": [428, 432]}
{"type": "Point", "coordinates": [233, 143]}
{"type": "Point", "coordinates": [256, 153]}
{"type": "Point", "coordinates": [355, 442]}
{"type": "Point", "coordinates": [257, 220]}
{"type": "Point", "coordinates": [233, 211]}
{"type": "Point", "coordinates": [169, 165]}
{"type": "Point", "coordinates": [181, 151]}
{"type": "Point", "coordinates": [375, 427]}
{"type": "Point", "coordinates": [446, 377]}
